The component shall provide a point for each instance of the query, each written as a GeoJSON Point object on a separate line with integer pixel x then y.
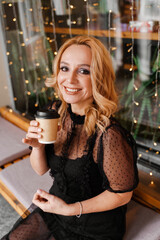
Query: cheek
{"type": "Point", "coordinates": [89, 87]}
{"type": "Point", "coordinates": [59, 80]}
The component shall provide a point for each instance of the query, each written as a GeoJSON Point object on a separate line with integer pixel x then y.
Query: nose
{"type": "Point", "coordinates": [72, 77]}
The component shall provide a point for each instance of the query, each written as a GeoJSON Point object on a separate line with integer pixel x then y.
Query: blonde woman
{"type": "Point", "coordinates": [93, 161]}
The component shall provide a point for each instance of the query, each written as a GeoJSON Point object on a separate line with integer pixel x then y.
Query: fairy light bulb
{"type": "Point", "coordinates": [150, 173]}
{"type": "Point", "coordinates": [135, 121]}
{"type": "Point", "coordinates": [136, 103]}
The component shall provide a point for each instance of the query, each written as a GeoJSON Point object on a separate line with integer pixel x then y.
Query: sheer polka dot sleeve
{"type": "Point", "coordinates": [118, 161]}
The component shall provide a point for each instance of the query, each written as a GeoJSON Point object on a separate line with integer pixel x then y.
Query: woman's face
{"type": "Point", "coordinates": [74, 78]}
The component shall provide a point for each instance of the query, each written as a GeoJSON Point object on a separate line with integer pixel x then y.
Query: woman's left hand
{"type": "Point", "coordinates": [50, 203]}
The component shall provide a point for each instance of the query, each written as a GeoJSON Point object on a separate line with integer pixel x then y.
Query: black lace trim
{"type": "Point", "coordinates": [77, 119]}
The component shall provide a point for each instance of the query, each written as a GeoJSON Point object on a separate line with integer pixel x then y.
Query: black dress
{"type": "Point", "coordinates": [82, 168]}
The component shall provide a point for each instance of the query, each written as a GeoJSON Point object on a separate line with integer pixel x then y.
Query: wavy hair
{"type": "Point", "coordinates": [102, 79]}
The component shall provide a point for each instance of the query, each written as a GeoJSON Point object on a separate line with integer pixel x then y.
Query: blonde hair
{"type": "Point", "coordinates": [102, 79]}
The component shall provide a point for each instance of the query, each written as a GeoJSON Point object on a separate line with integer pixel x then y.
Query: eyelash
{"type": "Point", "coordinates": [81, 70]}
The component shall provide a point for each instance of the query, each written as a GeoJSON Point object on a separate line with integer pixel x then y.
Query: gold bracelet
{"type": "Point", "coordinates": [81, 209]}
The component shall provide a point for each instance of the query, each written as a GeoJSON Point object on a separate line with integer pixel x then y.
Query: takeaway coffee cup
{"type": "Point", "coordinates": [48, 121]}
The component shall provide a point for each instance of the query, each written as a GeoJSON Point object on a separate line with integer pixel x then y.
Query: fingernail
{"type": "Point", "coordinates": [39, 130]}
{"type": "Point", "coordinates": [39, 191]}
{"type": "Point", "coordinates": [39, 136]}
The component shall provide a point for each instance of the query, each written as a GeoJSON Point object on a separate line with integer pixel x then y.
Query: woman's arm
{"type": "Point", "coordinates": [102, 202]}
{"type": "Point", "coordinates": [38, 160]}
{"type": "Point", "coordinates": [38, 155]}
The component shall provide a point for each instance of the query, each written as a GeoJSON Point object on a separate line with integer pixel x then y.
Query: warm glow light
{"type": "Point", "coordinates": [26, 81]}
{"type": "Point", "coordinates": [150, 173]}
{"type": "Point", "coordinates": [152, 182]}
{"type": "Point", "coordinates": [88, 19]}
{"type": "Point", "coordinates": [155, 144]}
{"type": "Point", "coordinates": [136, 103]}
{"type": "Point", "coordinates": [22, 69]}
{"type": "Point", "coordinates": [10, 4]}
{"type": "Point", "coordinates": [14, 19]}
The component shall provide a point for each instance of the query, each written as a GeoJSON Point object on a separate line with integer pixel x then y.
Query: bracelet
{"type": "Point", "coordinates": [81, 209]}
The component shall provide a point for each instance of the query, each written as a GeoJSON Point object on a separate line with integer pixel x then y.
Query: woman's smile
{"type": "Point", "coordinates": [72, 90]}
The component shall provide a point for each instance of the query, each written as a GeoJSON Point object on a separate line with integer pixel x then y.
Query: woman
{"type": "Point", "coordinates": [93, 161]}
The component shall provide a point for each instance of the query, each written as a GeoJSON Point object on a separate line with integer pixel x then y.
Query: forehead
{"type": "Point", "coordinates": [77, 53]}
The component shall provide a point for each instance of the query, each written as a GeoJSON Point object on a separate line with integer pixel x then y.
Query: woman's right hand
{"type": "Point", "coordinates": [33, 134]}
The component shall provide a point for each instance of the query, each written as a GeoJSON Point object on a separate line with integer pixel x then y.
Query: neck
{"type": "Point", "coordinates": [79, 108]}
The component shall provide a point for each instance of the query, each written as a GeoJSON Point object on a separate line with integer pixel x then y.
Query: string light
{"type": "Point", "coordinates": [69, 18]}
{"type": "Point", "coordinates": [134, 121]}
{"type": "Point", "coordinates": [88, 17]}
{"type": "Point", "coordinates": [156, 82]}
{"type": "Point", "coordinates": [53, 25]}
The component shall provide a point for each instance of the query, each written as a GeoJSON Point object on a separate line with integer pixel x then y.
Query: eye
{"type": "Point", "coordinates": [64, 69]}
{"type": "Point", "coordinates": [84, 71]}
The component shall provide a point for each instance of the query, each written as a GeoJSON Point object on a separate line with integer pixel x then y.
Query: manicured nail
{"type": "Point", "coordinates": [39, 136]}
{"type": "Point", "coordinates": [39, 129]}
{"type": "Point", "coordinates": [39, 191]}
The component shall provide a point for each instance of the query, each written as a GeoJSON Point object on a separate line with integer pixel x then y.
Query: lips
{"type": "Point", "coordinates": [72, 90]}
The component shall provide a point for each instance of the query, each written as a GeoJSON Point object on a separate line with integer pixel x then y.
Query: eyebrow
{"type": "Point", "coordinates": [83, 64]}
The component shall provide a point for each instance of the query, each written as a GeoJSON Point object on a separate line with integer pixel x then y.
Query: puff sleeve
{"type": "Point", "coordinates": [117, 156]}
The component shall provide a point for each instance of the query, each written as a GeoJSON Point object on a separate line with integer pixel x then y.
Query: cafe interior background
{"type": "Point", "coordinates": [31, 32]}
